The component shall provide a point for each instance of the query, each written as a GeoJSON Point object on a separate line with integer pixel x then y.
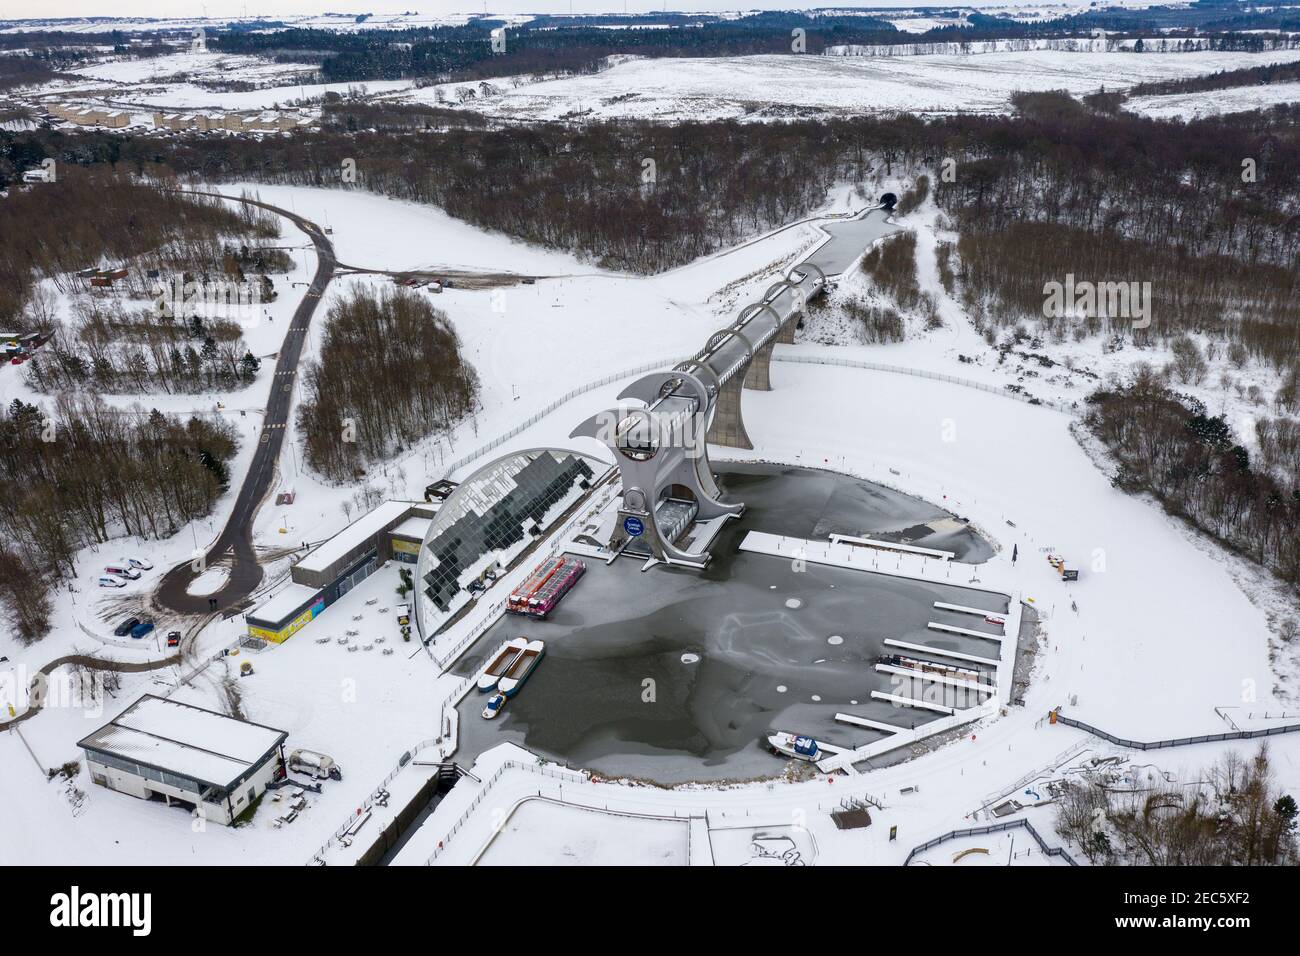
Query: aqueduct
{"type": "Point", "coordinates": [660, 442]}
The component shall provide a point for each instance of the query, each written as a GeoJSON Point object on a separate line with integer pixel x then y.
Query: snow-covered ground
{"type": "Point", "coordinates": [176, 82]}
{"type": "Point", "coordinates": [506, 334]}
{"type": "Point", "coordinates": [760, 87]}
{"type": "Point", "coordinates": [1123, 648]}
{"type": "Point", "coordinates": [1237, 99]}
{"type": "Point", "coordinates": [339, 22]}
{"type": "Point", "coordinates": [540, 833]}
{"type": "Point", "coordinates": [753, 87]}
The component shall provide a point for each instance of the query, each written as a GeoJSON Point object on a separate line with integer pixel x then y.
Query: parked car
{"type": "Point", "coordinates": [173, 638]}
{"type": "Point", "coordinates": [123, 571]}
{"type": "Point", "coordinates": [139, 564]}
{"type": "Point", "coordinates": [111, 581]}
{"type": "Point", "coordinates": [123, 629]}
{"type": "Point", "coordinates": [141, 629]}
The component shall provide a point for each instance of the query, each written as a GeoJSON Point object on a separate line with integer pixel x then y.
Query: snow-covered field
{"type": "Point", "coordinates": [760, 87]}
{"type": "Point", "coordinates": [754, 87]}
{"type": "Point", "coordinates": [1237, 99]}
{"type": "Point", "coordinates": [339, 22]}
{"type": "Point", "coordinates": [173, 82]}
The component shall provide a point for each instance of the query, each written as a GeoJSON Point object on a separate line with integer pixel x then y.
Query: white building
{"type": "Point", "coordinates": [163, 749]}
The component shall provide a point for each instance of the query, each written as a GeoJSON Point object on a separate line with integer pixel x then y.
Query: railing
{"type": "Point", "coordinates": [601, 495]}
{"type": "Point", "coordinates": [1177, 741]}
{"type": "Point", "coordinates": [924, 373]}
{"type": "Point", "coordinates": [1054, 851]}
{"type": "Point", "coordinates": [626, 814]}
{"type": "Point", "coordinates": [1059, 759]}
{"type": "Point", "coordinates": [571, 775]}
{"type": "Point", "coordinates": [368, 803]}
{"type": "Point", "coordinates": [451, 467]}
{"type": "Point", "coordinates": [473, 634]}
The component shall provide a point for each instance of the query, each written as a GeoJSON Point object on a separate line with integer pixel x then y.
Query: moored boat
{"type": "Point", "coordinates": [494, 705]}
{"type": "Point", "coordinates": [794, 745]}
{"type": "Point", "coordinates": [930, 667]}
{"type": "Point", "coordinates": [509, 652]}
{"type": "Point", "coordinates": [521, 667]}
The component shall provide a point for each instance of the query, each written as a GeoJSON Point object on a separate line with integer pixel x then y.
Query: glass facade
{"type": "Point", "coordinates": [493, 510]}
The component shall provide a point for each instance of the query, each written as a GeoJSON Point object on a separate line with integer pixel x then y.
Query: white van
{"type": "Point", "coordinates": [123, 571]}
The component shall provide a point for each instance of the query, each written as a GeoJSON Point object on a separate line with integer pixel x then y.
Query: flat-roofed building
{"type": "Point", "coordinates": [160, 749]}
{"type": "Point", "coordinates": [337, 565]}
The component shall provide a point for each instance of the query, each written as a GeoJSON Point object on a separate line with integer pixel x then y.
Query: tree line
{"type": "Point", "coordinates": [111, 350]}
{"type": "Point", "coordinates": [580, 44]}
{"type": "Point", "coordinates": [100, 212]}
{"type": "Point", "coordinates": [1203, 211]}
{"type": "Point", "coordinates": [1222, 80]}
{"type": "Point", "coordinates": [82, 472]}
{"type": "Point", "coordinates": [390, 373]}
{"type": "Point", "coordinates": [1233, 815]}
{"type": "Point", "coordinates": [1167, 445]}
{"type": "Point", "coordinates": [1257, 307]}
{"type": "Point", "coordinates": [546, 45]}
{"type": "Point", "coordinates": [1177, 186]}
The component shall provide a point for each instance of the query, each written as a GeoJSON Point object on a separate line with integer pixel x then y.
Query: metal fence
{"type": "Point", "coordinates": [1071, 751]}
{"type": "Point", "coordinates": [451, 467]}
{"type": "Point", "coordinates": [571, 775]}
{"type": "Point", "coordinates": [1002, 827]}
{"type": "Point", "coordinates": [408, 756]}
{"type": "Point", "coordinates": [1178, 741]}
{"type": "Point", "coordinates": [1002, 390]}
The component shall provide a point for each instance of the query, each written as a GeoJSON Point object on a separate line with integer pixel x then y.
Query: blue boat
{"type": "Point", "coordinates": [792, 745]}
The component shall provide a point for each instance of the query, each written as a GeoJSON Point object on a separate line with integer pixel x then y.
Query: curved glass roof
{"type": "Point", "coordinates": [491, 517]}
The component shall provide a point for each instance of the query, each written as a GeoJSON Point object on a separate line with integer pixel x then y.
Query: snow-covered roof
{"type": "Point", "coordinates": [365, 527]}
{"type": "Point", "coordinates": [189, 741]}
{"type": "Point", "coordinates": [283, 604]}
{"type": "Point", "coordinates": [413, 527]}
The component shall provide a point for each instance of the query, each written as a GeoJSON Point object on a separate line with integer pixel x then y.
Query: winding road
{"type": "Point", "coordinates": [237, 535]}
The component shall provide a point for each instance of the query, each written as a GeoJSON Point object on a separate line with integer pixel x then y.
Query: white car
{"type": "Point", "coordinates": [139, 563]}
{"type": "Point", "coordinates": [111, 581]}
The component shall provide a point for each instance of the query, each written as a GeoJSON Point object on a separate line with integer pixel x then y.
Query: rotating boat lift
{"type": "Point", "coordinates": [661, 428]}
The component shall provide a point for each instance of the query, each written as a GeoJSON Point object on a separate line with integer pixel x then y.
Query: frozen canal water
{"type": "Point", "coordinates": [848, 238]}
{"type": "Point", "coordinates": [675, 675]}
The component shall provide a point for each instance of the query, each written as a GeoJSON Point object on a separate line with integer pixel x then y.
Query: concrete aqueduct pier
{"type": "Point", "coordinates": [661, 441]}
{"type": "Point", "coordinates": [661, 428]}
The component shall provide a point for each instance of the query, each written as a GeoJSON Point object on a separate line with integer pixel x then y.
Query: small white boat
{"type": "Point", "coordinates": [521, 667]}
{"type": "Point", "coordinates": [501, 663]}
{"type": "Point", "coordinates": [793, 745]}
{"type": "Point", "coordinates": [494, 706]}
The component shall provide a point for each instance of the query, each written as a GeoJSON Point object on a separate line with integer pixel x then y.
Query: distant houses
{"type": "Point", "coordinates": [204, 122]}
{"type": "Point", "coordinates": [90, 116]}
